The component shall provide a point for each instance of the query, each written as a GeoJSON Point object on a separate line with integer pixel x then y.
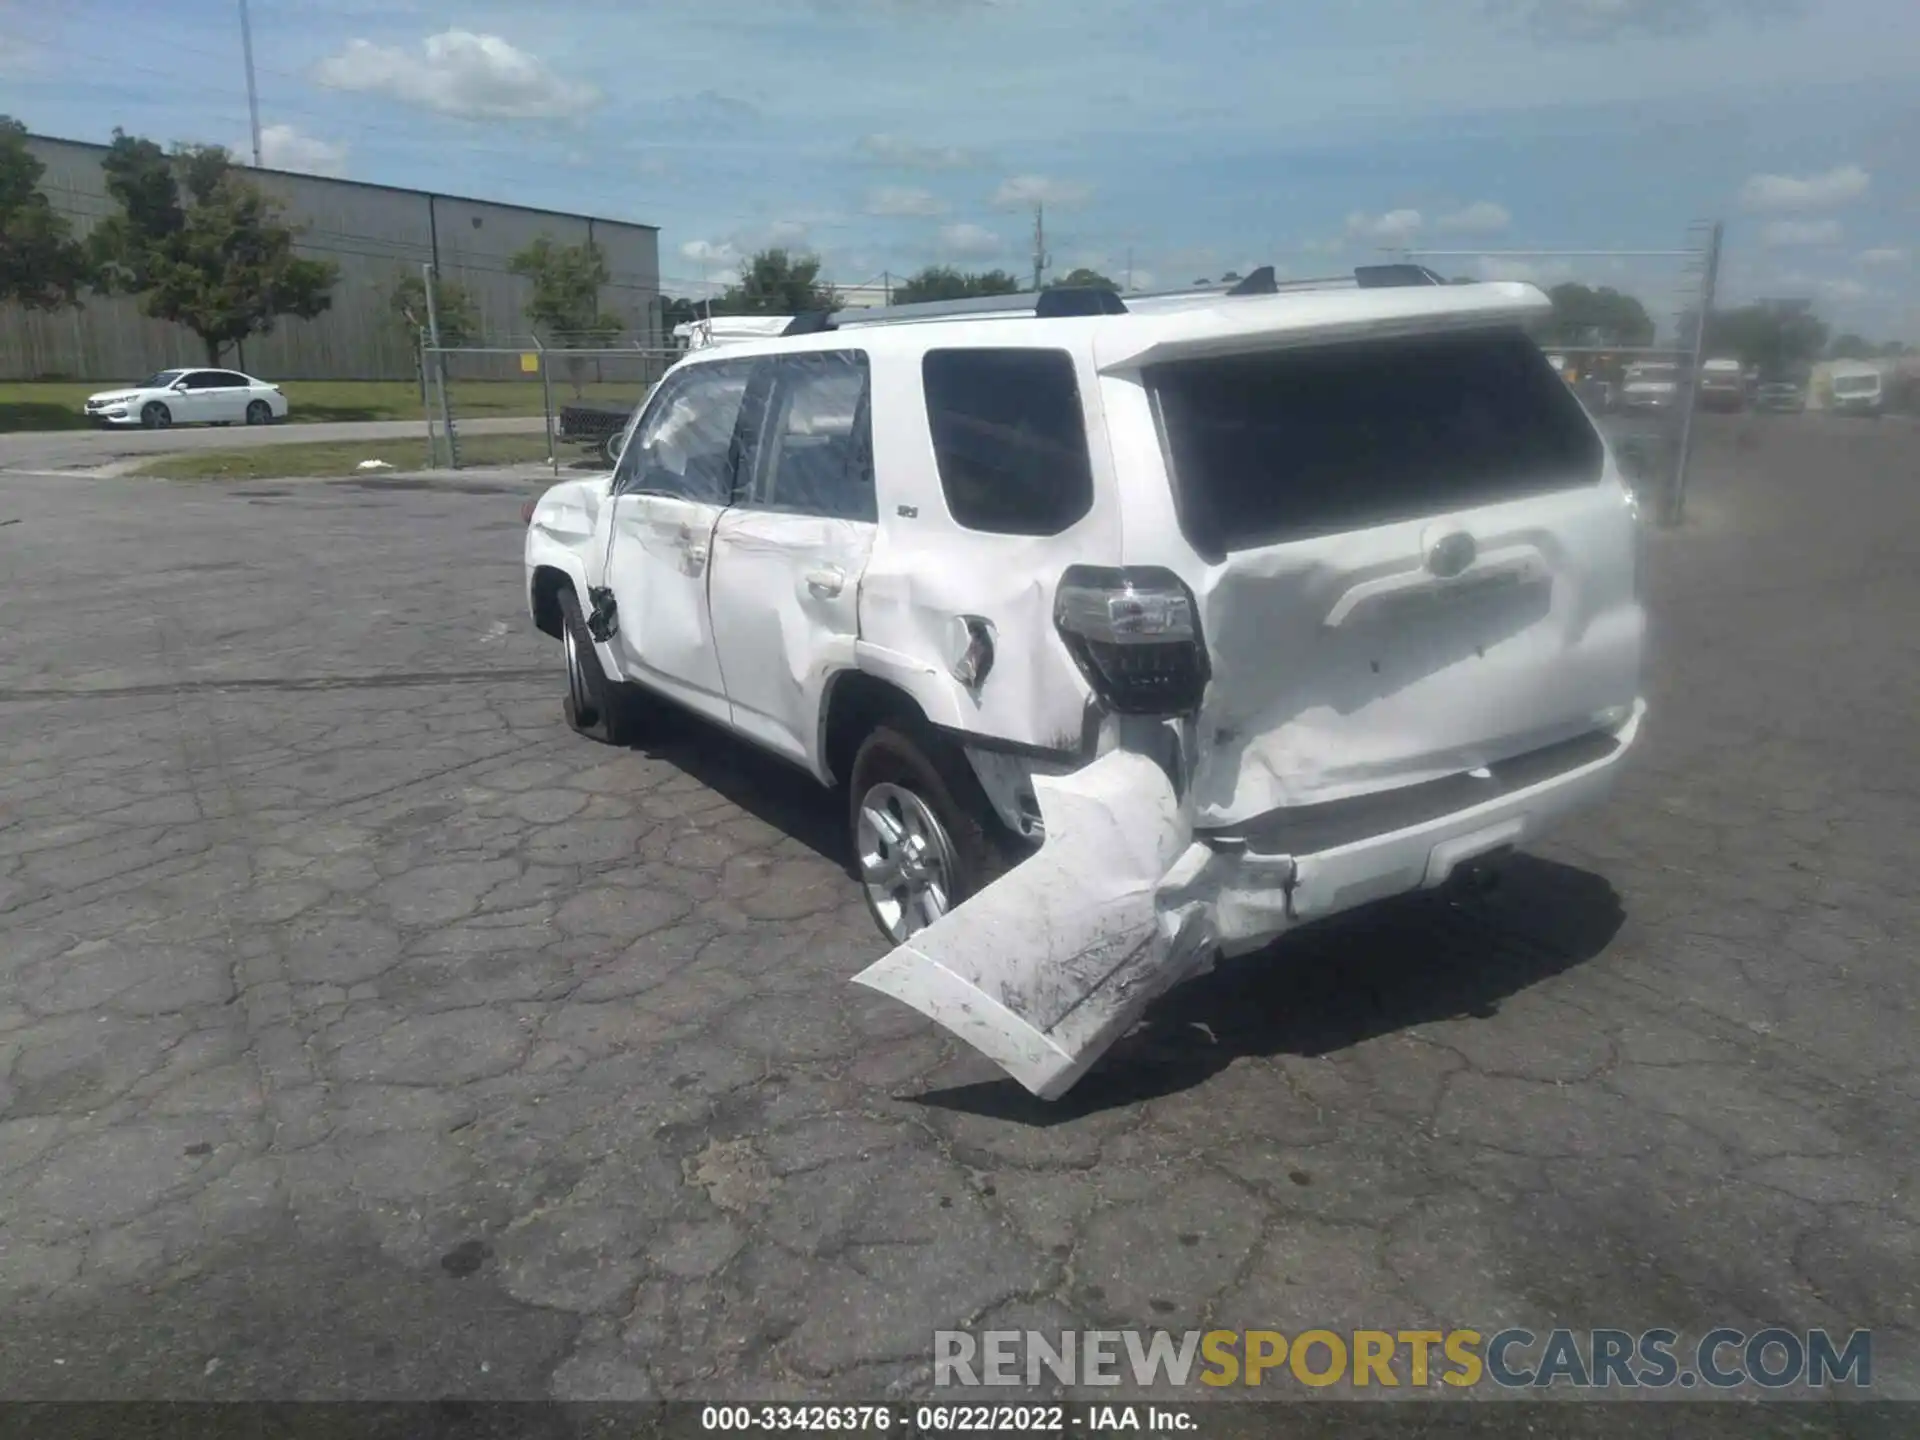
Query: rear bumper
{"type": "Point", "coordinates": [1286, 870]}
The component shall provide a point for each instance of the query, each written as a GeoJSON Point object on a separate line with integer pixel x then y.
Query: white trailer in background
{"type": "Point", "coordinates": [715, 330]}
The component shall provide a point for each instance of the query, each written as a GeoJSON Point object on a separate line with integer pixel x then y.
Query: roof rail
{"type": "Point", "coordinates": [1064, 301]}
{"type": "Point", "coordinates": [1058, 303]}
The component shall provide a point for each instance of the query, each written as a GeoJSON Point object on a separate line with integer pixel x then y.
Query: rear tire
{"type": "Point", "coordinates": [156, 416]}
{"type": "Point", "coordinates": [596, 706]}
{"type": "Point", "coordinates": [259, 413]}
{"type": "Point", "coordinates": [924, 837]}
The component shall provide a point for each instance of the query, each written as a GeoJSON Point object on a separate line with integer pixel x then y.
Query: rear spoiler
{"type": "Point", "coordinates": [1379, 312]}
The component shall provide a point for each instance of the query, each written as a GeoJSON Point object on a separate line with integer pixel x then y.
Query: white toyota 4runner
{"type": "Point", "coordinates": [1185, 619]}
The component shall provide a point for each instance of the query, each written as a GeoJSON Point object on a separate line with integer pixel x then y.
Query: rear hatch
{"type": "Point", "coordinates": [1412, 558]}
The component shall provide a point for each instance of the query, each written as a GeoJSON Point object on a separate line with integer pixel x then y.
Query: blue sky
{"type": "Point", "coordinates": [887, 134]}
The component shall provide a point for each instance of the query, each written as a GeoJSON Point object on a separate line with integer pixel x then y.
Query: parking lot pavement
{"type": "Point", "coordinates": [365, 1034]}
{"type": "Point", "coordinates": [56, 450]}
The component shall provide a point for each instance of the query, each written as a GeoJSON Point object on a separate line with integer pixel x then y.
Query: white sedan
{"type": "Point", "coordinates": [190, 397]}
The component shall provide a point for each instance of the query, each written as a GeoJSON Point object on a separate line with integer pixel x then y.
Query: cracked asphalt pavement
{"type": "Point", "coordinates": [364, 1034]}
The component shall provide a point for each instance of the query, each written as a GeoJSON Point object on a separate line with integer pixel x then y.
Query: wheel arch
{"type": "Point", "coordinates": [853, 705]}
{"type": "Point", "coordinates": [543, 598]}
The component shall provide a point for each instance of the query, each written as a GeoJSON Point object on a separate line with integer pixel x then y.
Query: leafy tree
{"type": "Point", "coordinates": [1583, 316]}
{"type": "Point", "coordinates": [778, 282]}
{"type": "Point", "coordinates": [454, 310]}
{"type": "Point", "coordinates": [1852, 347]}
{"type": "Point", "coordinates": [202, 245]}
{"type": "Point", "coordinates": [1781, 339]}
{"type": "Point", "coordinates": [41, 266]}
{"type": "Point", "coordinates": [943, 282]}
{"type": "Point", "coordinates": [565, 299]}
{"type": "Point", "coordinates": [1084, 278]}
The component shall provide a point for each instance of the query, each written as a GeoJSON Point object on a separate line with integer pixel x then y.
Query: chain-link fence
{"type": "Point", "coordinates": [523, 400]}
{"type": "Point", "coordinates": [1636, 360]}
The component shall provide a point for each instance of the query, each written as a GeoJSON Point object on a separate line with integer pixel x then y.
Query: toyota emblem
{"type": "Point", "coordinates": [1450, 555]}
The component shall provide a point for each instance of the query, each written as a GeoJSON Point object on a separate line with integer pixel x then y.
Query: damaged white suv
{"type": "Point", "coordinates": [1138, 631]}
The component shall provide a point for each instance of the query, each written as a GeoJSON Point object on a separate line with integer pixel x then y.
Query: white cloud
{"type": "Point", "coordinates": [1778, 233]}
{"type": "Point", "coordinates": [460, 73]}
{"type": "Point", "coordinates": [1806, 192]}
{"type": "Point", "coordinates": [1482, 217]}
{"type": "Point", "coordinates": [785, 234]}
{"type": "Point", "coordinates": [1845, 289]}
{"type": "Point", "coordinates": [904, 200]}
{"type": "Point", "coordinates": [1513, 267]}
{"type": "Point", "coordinates": [1886, 255]}
{"type": "Point", "coordinates": [713, 254]}
{"type": "Point", "coordinates": [1022, 191]}
{"type": "Point", "coordinates": [284, 148]}
{"type": "Point", "coordinates": [1142, 279]}
{"type": "Point", "coordinates": [1395, 228]}
{"type": "Point", "coordinates": [907, 155]}
{"type": "Point", "coordinates": [969, 241]}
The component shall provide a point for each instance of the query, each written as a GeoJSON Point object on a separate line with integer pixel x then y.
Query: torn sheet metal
{"type": "Point", "coordinates": [1044, 969]}
{"type": "Point", "coordinates": [1396, 674]}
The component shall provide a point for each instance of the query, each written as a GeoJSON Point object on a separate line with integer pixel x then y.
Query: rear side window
{"type": "Point", "coordinates": [1010, 438]}
{"type": "Point", "coordinates": [1285, 444]}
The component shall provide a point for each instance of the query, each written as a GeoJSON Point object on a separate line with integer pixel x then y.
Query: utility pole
{"type": "Point", "coordinates": [1040, 256]}
{"type": "Point", "coordinates": [440, 368]}
{"type": "Point", "coordinates": [1129, 267]}
{"type": "Point", "coordinates": [1709, 283]}
{"type": "Point", "coordinates": [253, 95]}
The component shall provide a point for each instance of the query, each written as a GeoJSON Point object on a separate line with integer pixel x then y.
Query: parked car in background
{"type": "Point", "coordinates": [1723, 386]}
{"type": "Point", "coordinates": [189, 397]}
{"type": "Point", "coordinates": [1651, 385]}
{"type": "Point", "coordinates": [1780, 397]}
{"type": "Point", "coordinates": [1857, 389]}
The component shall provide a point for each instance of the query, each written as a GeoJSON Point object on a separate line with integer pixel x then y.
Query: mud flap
{"type": "Point", "coordinates": [1044, 969]}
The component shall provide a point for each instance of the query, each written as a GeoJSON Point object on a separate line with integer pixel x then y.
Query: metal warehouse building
{"type": "Point", "coordinates": [374, 233]}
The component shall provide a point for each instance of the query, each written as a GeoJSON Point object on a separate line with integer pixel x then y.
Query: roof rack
{"type": "Point", "coordinates": [1073, 300]}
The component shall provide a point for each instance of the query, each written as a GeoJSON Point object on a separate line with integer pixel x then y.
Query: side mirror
{"type": "Point", "coordinates": [178, 385]}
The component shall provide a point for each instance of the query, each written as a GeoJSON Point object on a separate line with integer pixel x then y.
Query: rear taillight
{"type": "Point", "coordinates": [1135, 634]}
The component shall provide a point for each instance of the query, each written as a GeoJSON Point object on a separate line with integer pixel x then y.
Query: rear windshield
{"type": "Point", "coordinates": [1290, 443]}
